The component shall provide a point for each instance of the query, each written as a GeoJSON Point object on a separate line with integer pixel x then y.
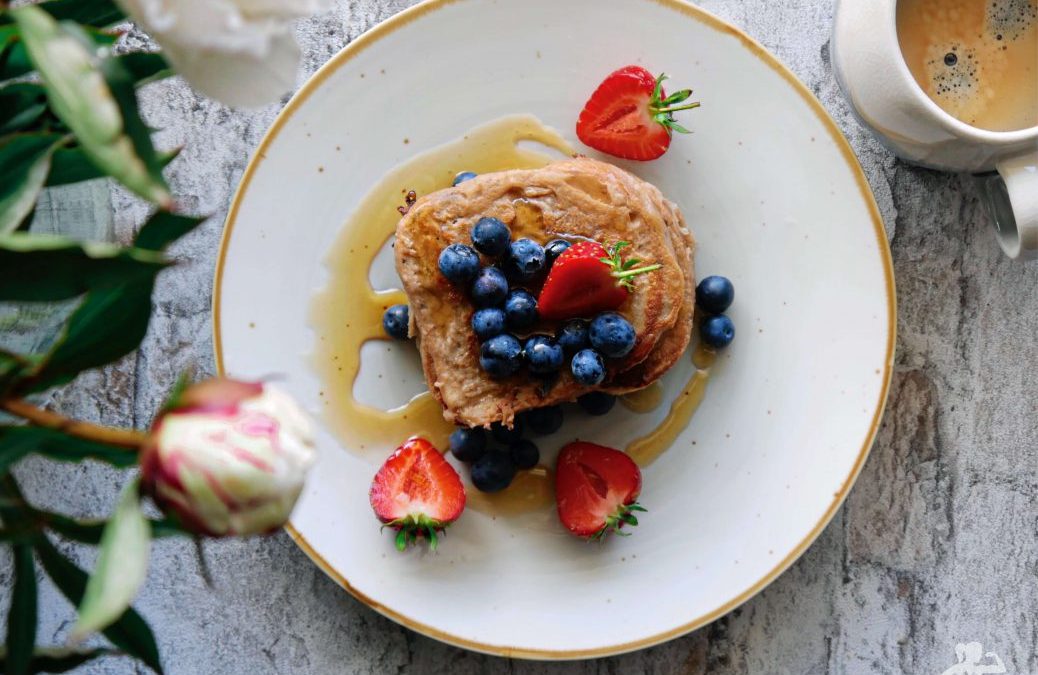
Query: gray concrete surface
{"type": "Point", "coordinates": [936, 545]}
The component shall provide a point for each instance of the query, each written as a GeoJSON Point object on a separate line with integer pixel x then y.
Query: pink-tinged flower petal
{"type": "Point", "coordinates": [219, 394]}
{"type": "Point", "coordinates": [232, 461]}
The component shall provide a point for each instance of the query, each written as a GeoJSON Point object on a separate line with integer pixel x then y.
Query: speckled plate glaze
{"type": "Point", "coordinates": [777, 202]}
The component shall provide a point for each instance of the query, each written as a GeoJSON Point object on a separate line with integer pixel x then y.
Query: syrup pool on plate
{"type": "Point", "coordinates": [348, 313]}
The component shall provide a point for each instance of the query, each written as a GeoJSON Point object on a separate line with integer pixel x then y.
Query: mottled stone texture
{"type": "Point", "coordinates": [935, 545]}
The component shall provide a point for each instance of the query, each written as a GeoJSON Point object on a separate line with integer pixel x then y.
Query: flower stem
{"type": "Point", "coordinates": [123, 438]}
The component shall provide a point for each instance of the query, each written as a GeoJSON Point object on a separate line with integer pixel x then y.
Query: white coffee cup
{"type": "Point", "coordinates": [876, 80]}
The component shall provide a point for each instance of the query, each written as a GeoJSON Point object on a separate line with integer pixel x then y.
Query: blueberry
{"type": "Point", "coordinates": [527, 257]}
{"type": "Point", "coordinates": [597, 402]}
{"type": "Point", "coordinates": [462, 177]}
{"type": "Point", "coordinates": [459, 263]}
{"type": "Point", "coordinates": [468, 445]}
{"type": "Point", "coordinates": [490, 288]}
{"type": "Point", "coordinates": [503, 434]}
{"type": "Point", "coordinates": [544, 421]}
{"type": "Point", "coordinates": [520, 309]}
{"type": "Point", "coordinates": [488, 322]}
{"type": "Point", "coordinates": [544, 355]}
{"type": "Point", "coordinates": [525, 454]}
{"type": "Point", "coordinates": [553, 249]}
{"type": "Point", "coordinates": [491, 237]}
{"type": "Point", "coordinates": [612, 335]}
{"type": "Point", "coordinates": [493, 471]}
{"type": "Point", "coordinates": [395, 320]}
{"type": "Point", "coordinates": [572, 336]}
{"type": "Point", "coordinates": [717, 331]}
{"type": "Point", "coordinates": [511, 272]}
{"type": "Point", "coordinates": [715, 294]}
{"type": "Point", "coordinates": [501, 355]}
{"type": "Point", "coordinates": [588, 367]}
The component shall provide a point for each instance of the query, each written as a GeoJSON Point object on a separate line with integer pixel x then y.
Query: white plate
{"type": "Point", "coordinates": [777, 203]}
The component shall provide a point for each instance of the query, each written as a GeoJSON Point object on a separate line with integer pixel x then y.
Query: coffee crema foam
{"type": "Point", "coordinates": [976, 59]}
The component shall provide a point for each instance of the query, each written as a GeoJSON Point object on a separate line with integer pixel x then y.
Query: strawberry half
{"type": "Point", "coordinates": [587, 279]}
{"type": "Point", "coordinates": [595, 489]}
{"type": "Point", "coordinates": [417, 493]}
{"type": "Point", "coordinates": [630, 116]}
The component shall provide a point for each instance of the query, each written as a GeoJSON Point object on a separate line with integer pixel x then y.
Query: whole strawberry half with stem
{"type": "Point", "coordinates": [587, 279]}
{"type": "Point", "coordinates": [417, 493]}
{"type": "Point", "coordinates": [596, 489]}
{"type": "Point", "coordinates": [630, 116]}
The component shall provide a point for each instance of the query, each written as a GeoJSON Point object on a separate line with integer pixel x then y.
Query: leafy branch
{"type": "Point", "coordinates": [69, 113]}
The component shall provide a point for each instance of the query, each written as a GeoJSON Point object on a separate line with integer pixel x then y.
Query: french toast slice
{"type": "Point", "coordinates": [575, 199]}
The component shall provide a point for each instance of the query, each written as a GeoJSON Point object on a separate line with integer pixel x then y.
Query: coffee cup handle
{"type": "Point", "coordinates": [1011, 196]}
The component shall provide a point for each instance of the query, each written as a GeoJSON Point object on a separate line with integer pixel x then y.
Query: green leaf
{"type": "Point", "coordinates": [110, 323]}
{"type": "Point", "coordinates": [71, 165]}
{"type": "Point", "coordinates": [123, 88]}
{"type": "Point", "coordinates": [83, 531]}
{"type": "Point", "coordinates": [18, 441]}
{"type": "Point", "coordinates": [175, 393]}
{"type": "Point", "coordinates": [145, 67]}
{"type": "Point", "coordinates": [18, 534]}
{"type": "Point", "coordinates": [24, 164]}
{"type": "Point", "coordinates": [36, 267]}
{"type": "Point", "coordinates": [95, 98]}
{"type": "Point", "coordinates": [21, 619]}
{"type": "Point", "coordinates": [57, 660]}
{"type": "Point", "coordinates": [130, 632]}
{"type": "Point", "coordinates": [22, 118]}
{"type": "Point", "coordinates": [122, 566]}
{"type": "Point", "coordinates": [14, 58]}
{"type": "Point", "coordinates": [97, 13]}
{"type": "Point", "coordinates": [13, 448]}
{"type": "Point", "coordinates": [12, 367]}
{"type": "Point", "coordinates": [21, 104]}
{"type": "Point", "coordinates": [89, 531]}
{"type": "Point", "coordinates": [14, 61]}
{"type": "Point", "coordinates": [167, 527]}
{"type": "Point", "coordinates": [163, 228]}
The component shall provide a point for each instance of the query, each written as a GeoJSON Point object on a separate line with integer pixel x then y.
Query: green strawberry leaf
{"type": "Point", "coordinates": [623, 271]}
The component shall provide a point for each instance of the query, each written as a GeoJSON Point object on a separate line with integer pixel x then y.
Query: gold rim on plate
{"type": "Point", "coordinates": [400, 20]}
